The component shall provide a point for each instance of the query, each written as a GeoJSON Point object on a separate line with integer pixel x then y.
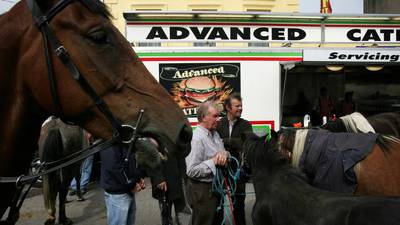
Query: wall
{"type": "Point", "coordinates": [117, 7]}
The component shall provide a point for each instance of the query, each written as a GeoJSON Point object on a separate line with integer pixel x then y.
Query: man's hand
{"type": "Point", "coordinates": [162, 186]}
{"type": "Point", "coordinates": [221, 158]}
{"type": "Point", "coordinates": [139, 186]}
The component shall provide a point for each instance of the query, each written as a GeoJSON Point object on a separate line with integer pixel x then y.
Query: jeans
{"type": "Point", "coordinates": [121, 209]}
{"type": "Point", "coordinates": [86, 171]}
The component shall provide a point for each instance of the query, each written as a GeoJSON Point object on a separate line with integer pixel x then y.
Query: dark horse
{"type": "Point", "coordinates": [57, 141]}
{"type": "Point", "coordinates": [345, 162]}
{"type": "Point", "coordinates": [384, 123]}
{"type": "Point", "coordinates": [80, 67]}
{"type": "Point", "coordinates": [284, 197]}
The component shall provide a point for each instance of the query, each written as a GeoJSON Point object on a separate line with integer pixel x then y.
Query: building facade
{"type": "Point", "coordinates": [381, 6]}
{"type": "Point", "coordinates": [117, 7]}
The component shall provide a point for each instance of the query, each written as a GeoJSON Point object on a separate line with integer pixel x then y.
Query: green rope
{"type": "Point", "coordinates": [224, 184]}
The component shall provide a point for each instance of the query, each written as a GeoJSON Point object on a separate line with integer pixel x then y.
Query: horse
{"type": "Point", "coordinates": [65, 58]}
{"type": "Point", "coordinates": [284, 196]}
{"type": "Point", "coordinates": [384, 123]}
{"type": "Point", "coordinates": [357, 163]}
{"type": "Point", "coordinates": [58, 140]}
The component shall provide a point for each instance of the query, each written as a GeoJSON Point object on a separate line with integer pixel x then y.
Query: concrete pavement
{"type": "Point", "coordinates": [92, 210]}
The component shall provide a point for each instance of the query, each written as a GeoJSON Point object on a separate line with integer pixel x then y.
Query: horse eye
{"type": "Point", "coordinates": [98, 37]}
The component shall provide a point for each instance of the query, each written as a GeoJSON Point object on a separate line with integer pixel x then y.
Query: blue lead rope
{"type": "Point", "coordinates": [224, 184]}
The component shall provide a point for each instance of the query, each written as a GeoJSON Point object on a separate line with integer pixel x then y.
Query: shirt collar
{"type": "Point", "coordinates": [206, 131]}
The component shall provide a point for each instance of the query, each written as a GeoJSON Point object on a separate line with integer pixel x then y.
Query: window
{"type": "Point", "coordinates": [204, 44]}
{"type": "Point", "coordinates": [258, 44]}
{"type": "Point", "coordinates": [148, 44]}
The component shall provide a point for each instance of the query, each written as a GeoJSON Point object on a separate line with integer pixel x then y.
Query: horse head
{"type": "Point", "coordinates": [65, 57]}
{"type": "Point", "coordinates": [109, 65]}
{"type": "Point", "coordinates": [263, 151]}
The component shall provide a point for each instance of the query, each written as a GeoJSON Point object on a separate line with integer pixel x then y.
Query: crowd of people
{"type": "Point", "coordinates": [325, 108]}
{"type": "Point", "coordinates": [214, 141]}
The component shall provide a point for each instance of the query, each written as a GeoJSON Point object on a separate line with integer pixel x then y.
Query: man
{"type": "Point", "coordinates": [168, 189]}
{"type": "Point", "coordinates": [323, 106]}
{"type": "Point", "coordinates": [232, 128]}
{"type": "Point", "coordinates": [207, 153]}
{"type": "Point", "coordinates": [120, 180]}
{"type": "Point", "coordinates": [86, 168]}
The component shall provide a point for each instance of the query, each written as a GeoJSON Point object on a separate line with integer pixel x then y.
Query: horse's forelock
{"type": "Point", "coordinates": [95, 6]}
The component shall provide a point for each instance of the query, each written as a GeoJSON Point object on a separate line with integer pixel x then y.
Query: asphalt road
{"type": "Point", "coordinates": [92, 210]}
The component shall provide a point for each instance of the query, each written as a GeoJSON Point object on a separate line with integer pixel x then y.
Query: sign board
{"type": "Point", "coordinates": [257, 79]}
{"type": "Point", "coordinates": [192, 32]}
{"type": "Point", "coordinates": [293, 32]}
{"type": "Point", "coordinates": [351, 56]}
{"type": "Point", "coordinates": [191, 84]}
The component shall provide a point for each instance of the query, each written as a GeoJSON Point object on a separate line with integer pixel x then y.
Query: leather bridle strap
{"type": "Point", "coordinates": [42, 21]}
{"type": "Point", "coordinates": [23, 180]}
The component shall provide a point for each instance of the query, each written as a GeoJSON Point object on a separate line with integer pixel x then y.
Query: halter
{"type": "Point", "coordinates": [125, 133]}
{"type": "Point", "coordinates": [51, 42]}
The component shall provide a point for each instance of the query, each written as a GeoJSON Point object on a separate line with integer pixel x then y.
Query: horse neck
{"type": "Point", "coordinates": [19, 126]}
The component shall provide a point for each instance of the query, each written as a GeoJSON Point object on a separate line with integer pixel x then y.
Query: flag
{"type": "Point", "coordinates": [326, 6]}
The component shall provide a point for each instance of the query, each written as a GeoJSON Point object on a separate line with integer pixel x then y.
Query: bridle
{"type": "Point", "coordinates": [123, 133]}
{"type": "Point", "coordinates": [51, 42]}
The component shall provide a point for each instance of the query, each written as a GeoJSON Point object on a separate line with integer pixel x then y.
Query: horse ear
{"type": "Point", "coordinates": [247, 135]}
{"type": "Point", "coordinates": [274, 135]}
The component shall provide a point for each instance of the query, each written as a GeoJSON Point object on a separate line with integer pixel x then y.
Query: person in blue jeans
{"type": "Point", "coordinates": [86, 168]}
{"type": "Point", "coordinates": [86, 171]}
{"type": "Point", "coordinates": [120, 179]}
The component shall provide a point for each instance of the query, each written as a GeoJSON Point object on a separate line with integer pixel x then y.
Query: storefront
{"type": "Point", "coordinates": [279, 83]}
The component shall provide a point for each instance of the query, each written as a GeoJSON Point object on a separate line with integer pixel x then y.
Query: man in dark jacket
{"type": "Point", "coordinates": [232, 129]}
{"type": "Point", "coordinates": [168, 189]}
{"type": "Point", "coordinates": [120, 180]}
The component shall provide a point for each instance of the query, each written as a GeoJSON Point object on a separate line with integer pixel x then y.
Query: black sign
{"type": "Point", "coordinates": [193, 84]}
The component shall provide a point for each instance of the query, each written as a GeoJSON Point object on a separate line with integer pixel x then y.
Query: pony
{"type": "Point", "coordinates": [65, 58]}
{"type": "Point", "coordinates": [358, 163]}
{"type": "Point", "coordinates": [58, 140]}
{"type": "Point", "coordinates": [284, 196]}
{"type": "Point", "coordinates": [384, 123]}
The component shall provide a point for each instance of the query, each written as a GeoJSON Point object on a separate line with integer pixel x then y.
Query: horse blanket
{"type": "Point", "coordinates": [329, 158]}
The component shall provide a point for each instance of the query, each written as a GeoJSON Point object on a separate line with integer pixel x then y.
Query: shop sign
{"type": "Point", "coordinates": [142, 31]}
{"type": "Point", "coordinates": [193, 33]}
{"type": "Point", "coordinates": [353, 56]}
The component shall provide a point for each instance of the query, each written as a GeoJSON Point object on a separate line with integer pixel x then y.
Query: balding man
{"type": "Point", "coordinates": [207, 153]}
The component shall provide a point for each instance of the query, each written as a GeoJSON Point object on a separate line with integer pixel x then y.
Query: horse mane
{"type": "Point", "coordinates": [266, 151]}
{"type": "Point", "coordinates": [95, 6]}
{"type": "Point", "coordinates": [386, 142]}
{"type": "Point", "coordinates": [298, 146]}
{"type": "Point", "coordinates": [99, 7]}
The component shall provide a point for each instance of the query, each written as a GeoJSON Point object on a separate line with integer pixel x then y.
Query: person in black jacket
{"type": "Point", "coordinates": [233, 129]}
{"type": "Point", "coordinates": [169, 190]}
{"type": "Point", "coordinates": [120, 179]}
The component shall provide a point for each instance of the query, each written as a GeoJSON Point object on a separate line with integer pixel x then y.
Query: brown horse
{"type": "Point", "coordinates": [284, 196]}
{"type": "Point", "coordinates": [345, 162]}
{"type": "Point", "coordinates": [77, 65]}
{"type": "Point", "coordinates": [384, 123]}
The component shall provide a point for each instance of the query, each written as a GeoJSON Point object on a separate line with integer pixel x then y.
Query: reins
{"type": "Point", "coordinates": [44, 169]}
{"type": "Point", "coordinates": [123, 133]}
{"type": "Point", "coordinates": [31, 179]}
